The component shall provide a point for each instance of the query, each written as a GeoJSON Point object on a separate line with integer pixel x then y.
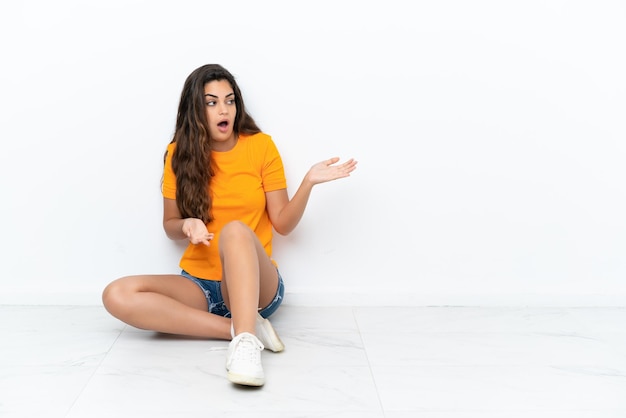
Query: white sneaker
{"type": "Point", "coordinates": [268, 336]}
{"type": "Point", "coordinates": [243, 363]}
{"type": "Point", "coordinates": [266, 333]}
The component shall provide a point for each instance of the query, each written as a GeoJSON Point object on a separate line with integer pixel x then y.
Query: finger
{"type": "Point", "coordinates": [332, 161]}
{"type": "Point", "coordinates": [350, 167]}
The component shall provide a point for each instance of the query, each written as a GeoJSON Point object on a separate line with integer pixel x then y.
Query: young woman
{"type": "Point", "coordinates": [224, 191]}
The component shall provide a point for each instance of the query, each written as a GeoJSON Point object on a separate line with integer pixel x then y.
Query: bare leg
{"type": "Point", "coordinates": [250, 280]}
{"type": "Point", "coordinates": [164, 303]}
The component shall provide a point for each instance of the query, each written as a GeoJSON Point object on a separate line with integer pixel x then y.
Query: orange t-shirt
{"type": "Point", "coordinates": [242, 177]}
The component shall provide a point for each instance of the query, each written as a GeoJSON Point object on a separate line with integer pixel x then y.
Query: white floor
{"type": "Point", "coordinates": [390, 362]}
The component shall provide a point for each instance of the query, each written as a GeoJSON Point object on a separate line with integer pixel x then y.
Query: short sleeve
{"type": "Point", "coordinates": [273, 172]}
{"type": "Point", "coordinates": [168, 187]}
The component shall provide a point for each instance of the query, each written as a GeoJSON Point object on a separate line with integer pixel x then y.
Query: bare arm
{"type": "Point", "coordinates": [178, 228]}
{"type": "Point", "coordinates": [285, 214]}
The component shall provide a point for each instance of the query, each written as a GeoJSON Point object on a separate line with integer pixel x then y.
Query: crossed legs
{"type": "Point", "coordinates": [175, 305]}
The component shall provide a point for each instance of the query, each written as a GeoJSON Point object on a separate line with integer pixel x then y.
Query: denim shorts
{"type": "Point", "coordinates": [213, 293]}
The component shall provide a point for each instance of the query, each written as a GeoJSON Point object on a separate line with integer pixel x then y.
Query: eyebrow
{"type": "Point", "coordinates": [212, 95]}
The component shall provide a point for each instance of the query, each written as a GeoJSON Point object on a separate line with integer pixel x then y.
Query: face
{"type": "Point", "coordinates": [219, 99]}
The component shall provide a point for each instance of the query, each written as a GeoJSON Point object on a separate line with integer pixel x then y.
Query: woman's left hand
{"type": "Point", "coordinates": [326, 170]}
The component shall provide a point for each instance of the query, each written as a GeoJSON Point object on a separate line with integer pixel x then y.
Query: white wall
{"type": "Point", "coordinates": [490, 135]}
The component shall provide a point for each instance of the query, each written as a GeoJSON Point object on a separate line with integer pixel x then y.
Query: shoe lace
{"type": "Point", "coordinates": [247, 347]}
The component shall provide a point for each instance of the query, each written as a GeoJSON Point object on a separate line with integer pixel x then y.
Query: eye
{"type": "Point", "coordinates": [230, 101]}
{"type": "Point", "coordinates": [210, 103]}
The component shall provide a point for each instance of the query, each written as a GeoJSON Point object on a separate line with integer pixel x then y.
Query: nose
{"type": "Point", "coordinates": [223, 109]}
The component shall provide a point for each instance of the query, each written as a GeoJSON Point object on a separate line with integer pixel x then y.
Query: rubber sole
{"type": "Point", "coordinates": [271, 339]}
{"type": "Point", "coordinates": [240, 379]}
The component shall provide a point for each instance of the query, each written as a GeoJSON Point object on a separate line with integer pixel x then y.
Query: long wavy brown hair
{"type": "Point", "coordinates": [191, 161]}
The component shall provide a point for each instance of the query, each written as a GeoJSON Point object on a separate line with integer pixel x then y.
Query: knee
{"type": "Point", "coordinates": [235, 231]}
{"type": "Point", "coordinates": [114, 296]}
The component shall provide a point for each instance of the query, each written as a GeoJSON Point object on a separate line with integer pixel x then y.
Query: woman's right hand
{"type": "Point", "coordinates": [196, 232]}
